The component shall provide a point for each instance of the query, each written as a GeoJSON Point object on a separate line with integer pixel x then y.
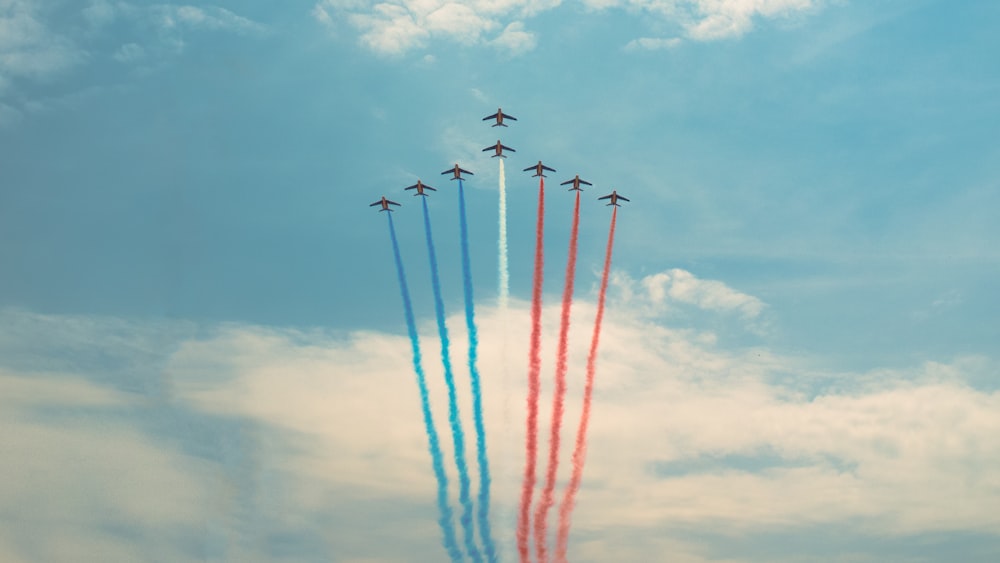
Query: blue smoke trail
{"type": "Point", "coordinates": [453, 418]}
{"type": "Point", "coordinates": [437, 460]}
{"type": "Point", "coordinates": [477, 399]}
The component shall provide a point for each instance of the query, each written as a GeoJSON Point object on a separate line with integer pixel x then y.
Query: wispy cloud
{"type": "Point", "coordinates": [398, 26]}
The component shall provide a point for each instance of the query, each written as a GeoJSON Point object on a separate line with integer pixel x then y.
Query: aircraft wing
{"type": "Point", "coordinates": [568, 182]}
{"type": "Point", "coordinates": [586, 183]}
{"type": "Point", "coordinates": [426, 187]}
{"type": "Point", "coordinates": [510, 117]}
{"type": "Point", "coordinates": [413, 187]}
{"type": "Point", "coordinates": [390, 202]}
{"type": "Point", "coordinates": [505, 147]}
{"type": "Point", "coordinates": [605, 197]}
{"type": "Point", "coordinates": [547, 168]}
{"type": "Point", "coordinates": [490, 148]}
{"type": "Point", "coordinates": [376, 203]}
{"type": "Point", "coordinates": [494, 116]}
{"type": "Point", "coordinates": [623, 198]}
{"type": "Point", "coordinates": [462, 170]}
{"type": "Point", "coordinates": [528, 169]}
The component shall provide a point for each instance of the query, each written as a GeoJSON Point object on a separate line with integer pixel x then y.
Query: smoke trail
{"type": "Point", "coordinates": [437, 460]}
{"type": "Point", "coordinates": [580, 450]}
{"type": "Point", "coordinates": [534, 367]}
{"type": "Point", "coordinates": [542, 512]}
{"type": "Point", "coordinates": [453, 417]}
{"type": "Point", "coordinates": [483, 514]}
{"type": "Point", "coordinates": [502, 246]}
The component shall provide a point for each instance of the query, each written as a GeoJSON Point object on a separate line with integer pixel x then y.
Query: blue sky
{"type": "Point", "coordinates": [799, 361]}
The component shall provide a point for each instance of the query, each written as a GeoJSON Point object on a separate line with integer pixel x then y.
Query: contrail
{"type": "Point", "coordinates": [453, 416]}
{"type": "Point", "coordinates": [534, 368]}
{"type": "Point", "coordinates": [437, 460]}
{"type": "Point", "coordinates": [483, 514]}
{"type": "Point", "coordinates": [504, 291]}
{"type": "Point", "coordinates": [580, 451]}
{"type": "Point", "coordinates": [559, 396]}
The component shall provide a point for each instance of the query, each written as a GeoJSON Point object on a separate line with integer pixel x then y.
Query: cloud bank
{"type": "Point", "coordinates": [241, 442]}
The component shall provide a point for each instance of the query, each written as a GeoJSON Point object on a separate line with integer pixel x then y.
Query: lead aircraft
{"type": "Point", "coordinates": [499, 116]}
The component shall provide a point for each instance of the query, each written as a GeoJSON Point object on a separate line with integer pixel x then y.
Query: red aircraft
{"type": "Point", "coordinates": [576, 183]}
{"type": "Point", "coordinates": [499, 116]}
{"type": "Point", "coordinates": [385, 203]}
{"type": "Point", "coordinates": [499, 148]}
{"type": "Point", "coordinates": [538, 168]}
{"type": "Point", "coordinates": [614, 197]}
{"type": "Point", "coordinates": [420, 187]}
{"type": "Point", "coordinates": [457, 171]}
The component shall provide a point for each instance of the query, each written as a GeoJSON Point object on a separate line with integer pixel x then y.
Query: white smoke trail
{"type": "Point", "coordinates": [504, 273]}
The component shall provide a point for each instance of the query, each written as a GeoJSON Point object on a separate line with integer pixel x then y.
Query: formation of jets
{"type": "Point", "coordinates": [539, 169]}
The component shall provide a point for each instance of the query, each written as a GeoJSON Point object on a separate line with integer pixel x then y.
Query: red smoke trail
{"type": "Point", "coordinates": [542, 513]}
{"type": "Point", "coordinates": [580, 451]}
{"type": "Point", "coordinates": [534, 368]}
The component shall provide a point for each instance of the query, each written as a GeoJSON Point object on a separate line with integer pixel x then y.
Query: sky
{"type": "Point", "coordinates": [203, 351]}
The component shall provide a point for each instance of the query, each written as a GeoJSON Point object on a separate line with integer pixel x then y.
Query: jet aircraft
{"type": "Point", "coordinates": [499, 148]}
{"type": "Point", "coordinates": [576, 183]}
{"type": "Point", "coordinates": [457, 171]}
{"type": "Point", "coordinates": [499, 116]}
{"type": "Point", "coordinates": [539, 169]}
{"type": "Point", "coordinates": [420, 187]}
{"type": "Point", "coordinates": [614, 197]}
{"type": "Point", "coordinates": [385, 203]}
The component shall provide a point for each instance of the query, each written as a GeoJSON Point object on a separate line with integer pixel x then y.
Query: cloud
{"type": "Point", "coordinates": [394, 28]}
{"type": "Point", "coordinates": [397, 26]}
{"type": "Point", "coordinates": [652, 43]}
{"type": "Point", "coordinates": [28, 47]}
{"type": "Point", "coordinates": [209, 17]}
{"type": "Point", "coordinates": [316, 436]}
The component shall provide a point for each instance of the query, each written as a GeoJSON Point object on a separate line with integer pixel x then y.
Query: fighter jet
{"type": "Point", "coordinates": [499, 116]}
{"type": "Point", "coordinates": [539, 168]}
{"type": "Point", "coordinates": [576, 183]}
{"type": "Point", "coordinates": [457, 171]}
{"type": "Point", "coordinates": [614, 197]}
{"type": "Point", "coordinates": [420, 187]}
{"type": "Point", "coordinates": [499, 148]}
{"type": "Point", "coordinates": [385, 203]}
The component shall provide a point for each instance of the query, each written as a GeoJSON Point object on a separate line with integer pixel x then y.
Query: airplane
{"type": "Point", "coordinates": [614, 197]}
{"type": "Point", "coordinates": [539, 168]}
{"type": "Point", "coordinates": [385, 203]}
{"type": "Point", "coordinates": [457, 171]}
{"type": "Point", "coordinates": [420, 187]}
{"type": "Point", "coordinates": [576, 183]}
{"type": "Point", "coordinates": [499, 148]}
{"type": "Point", "coordinates": [499, 116]}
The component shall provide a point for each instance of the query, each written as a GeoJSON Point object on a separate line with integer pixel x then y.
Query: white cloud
{"type": "Point", "coordinates": [28, 47]}
{"type": "Point", "coordinates": [393, 28]}
{"type": "Point", "coordinates": [209, 17]}
{"type": "Point", "coordinates": [129, 52]}
{"type": "Point", "coordinates": [685, 436]}
{"type": "Point", "coordinates": [515, 40]}
{"type": "Point", "coordinates": [653, 43]}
